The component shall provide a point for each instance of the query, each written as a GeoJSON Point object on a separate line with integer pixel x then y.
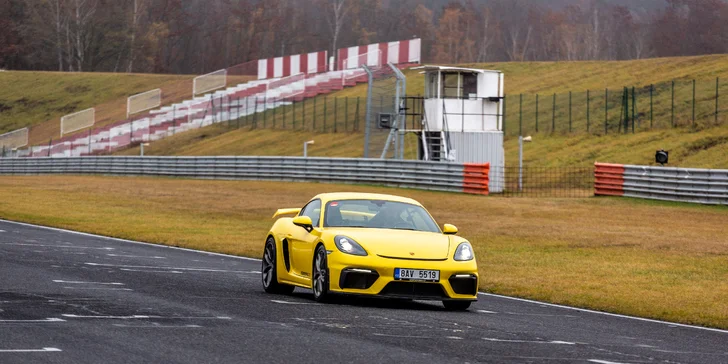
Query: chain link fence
{"type": "Point", "coordinates": [680, 103]}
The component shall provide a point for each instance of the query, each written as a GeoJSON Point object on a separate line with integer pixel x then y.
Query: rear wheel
{"type": "Point", "coordinates": [456, 305]}
{"type": "Point", "coordinates": [269, 273]}
{"type": "Point", "coordinates": [320, 282]}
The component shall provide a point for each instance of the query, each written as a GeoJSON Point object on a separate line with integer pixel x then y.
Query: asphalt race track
{"type": "Point", "coordinates": [74, 298]}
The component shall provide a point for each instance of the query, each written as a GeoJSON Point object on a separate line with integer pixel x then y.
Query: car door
{"type": "Point", "coordinates": [302, 242]}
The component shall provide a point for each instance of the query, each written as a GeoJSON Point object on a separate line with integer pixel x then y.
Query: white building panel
{"type": "Point", "coordinates": [415, 50]}
{"type": "Point", "coordinates": [262, 69]}
{"type": "Point", "coordinates": [278, 67]}
{"type": "Point", "coordinates": [393, 52]}
{"type": "Point", "coordinates": [296, 64]}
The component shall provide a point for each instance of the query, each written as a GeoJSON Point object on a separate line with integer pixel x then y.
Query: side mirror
{"type": "Point", "coordinates": [304, 222]}
{"type": "Point", "coordinates": [449, 229]}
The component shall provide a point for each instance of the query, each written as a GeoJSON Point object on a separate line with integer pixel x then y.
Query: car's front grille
{"type": "Point", "coordinates": [414, 290]}
{"type": "Point", "coordinates": [357, 279]}
{"type": "Point", "coordinates": [464, 285]}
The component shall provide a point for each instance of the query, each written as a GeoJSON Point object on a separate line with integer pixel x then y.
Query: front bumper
{"type": "Point", "coordinates": [374, 275]}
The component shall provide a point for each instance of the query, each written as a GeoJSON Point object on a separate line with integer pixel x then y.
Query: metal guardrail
{"type": "Point", "coordinates": [437, 176]}
{"type": "Point", "coordinates": [706, 186]}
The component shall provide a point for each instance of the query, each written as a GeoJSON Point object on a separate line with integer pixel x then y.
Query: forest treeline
{"type": "Point", "coordinates": [197, 36]}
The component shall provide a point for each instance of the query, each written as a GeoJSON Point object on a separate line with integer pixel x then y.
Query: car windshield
{"type": "Point", "coordinates": [378, 214]}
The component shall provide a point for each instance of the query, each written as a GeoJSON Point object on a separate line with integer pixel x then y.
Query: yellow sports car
{"type": "Point", "coordinates": [369, 244]}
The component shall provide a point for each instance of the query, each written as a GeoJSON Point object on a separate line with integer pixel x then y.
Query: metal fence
{"type": "Point", "coordinates": [556, 182]}
{"type": "Point", "coordinates": [454, 177]}
{"type": "Point", "coordinates": [395, 173]}
{"type": "Point", "coordinates": [706, 186]}
{"type": "Point", "coordinates": [694, 103]}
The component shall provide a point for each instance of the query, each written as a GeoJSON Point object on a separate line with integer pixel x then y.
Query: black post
{"type": "Point", "coordinates": [693, 102]}
{"type": "Point", "coordinates": [265, 110]}
{"type": "Point", "coordinates": [652, 88]}
{"type": "Point", "coordinates": [325, 102]}
{"type": "Point", "coordinates": [293, 113]}
{"type": "Point", "coordinates": [569, 111]}
{"type": "Point", "coordinates": [255, 113]}
{"type": "Point", "coordinates": [505, 103]}
{"type": "Point", "coordinates": [50, 141]}
{"type": "Point", "coordinates": [356, 117]}
{"type": "Point", "coordinates": [537, 113]}
{"type": "Point", "coordinates": [606, 111]}
{"type": "Point", "coordinates": [346, 114]}
{"type": "Point", "coordinates": [3, 152]}
{"type": "Point", "coordinates": [314, 113]}
{"type": "Point", "coordinates": [274, 114]}
{"type": "Point", "coordinates": [626, 110]}
{"type": "Point", "coordinates": [634, 102]}
{"type": "Point", "coordinates": [283, 119]}
{"type": "Point", "coordinates": [717, 94]}
{"type": "Point", "coordinates": [336, 112]}
{"type": "Point", "coordinates": [303, 114]}
{"type": "Point", "coordinates": [553, 116]}
{"type": "Point", "coordinates": [672, 107]}
{"type": "Point", "coordinates": [587, 111]}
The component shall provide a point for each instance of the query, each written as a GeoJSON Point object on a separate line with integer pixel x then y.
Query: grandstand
{"type": "Point", "coordinates": [207, 106]}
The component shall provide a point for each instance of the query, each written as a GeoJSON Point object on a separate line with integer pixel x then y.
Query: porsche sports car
{"type": "Point", "coordinates": [369, 244]}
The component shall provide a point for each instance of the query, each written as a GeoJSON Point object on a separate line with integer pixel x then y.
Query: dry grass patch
{"type": "Point", "coordinates": [659, 260]}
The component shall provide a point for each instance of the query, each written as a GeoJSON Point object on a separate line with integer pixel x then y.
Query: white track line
{"type": "Point", "coordinates": [604, 313]}
{"type": "Point", "coordinates": [125, 240]}
{"type": "Point", "coordinates": [44, 350]}
{"type": "Point", "coordinates": [51, 319]}
{"type": "Point", "coordinates": [258, 260]}
{"type": "Point", "coordinates": [171, 268]}
{"type": "Point", "coordinates": [82, 282]}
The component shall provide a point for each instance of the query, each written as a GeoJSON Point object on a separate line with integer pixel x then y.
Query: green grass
{"type": "Point", "coordinates": [651, 259]}
{"type": "Point", "coordinates": [706, 148]}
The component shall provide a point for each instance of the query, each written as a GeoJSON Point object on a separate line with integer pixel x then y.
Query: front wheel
{"type": "Point", "coordinates": [320, 282]}
{"type": "Point", "coordinates": [456, 305]}
{"type": "Point", "coordinates": [268, 270]}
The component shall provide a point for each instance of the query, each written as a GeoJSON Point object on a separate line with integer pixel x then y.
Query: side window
{"type": "Point", "coordinates": [313, 210]}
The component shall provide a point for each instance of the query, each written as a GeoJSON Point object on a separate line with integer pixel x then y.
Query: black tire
{"type": "Point", "coordinates": [269, 272]}
{"type": "Point", "coordinates": [320, 276]}
{"type": "Point", "coordinates": [456, 305]}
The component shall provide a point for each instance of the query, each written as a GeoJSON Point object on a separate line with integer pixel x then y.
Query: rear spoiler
{"type": "Point", "coordinates": [286, 212]}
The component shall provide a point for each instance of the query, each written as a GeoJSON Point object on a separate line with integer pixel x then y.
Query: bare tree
{"type": "Point", "coordinates": [336, 12]}
{"type": "Point", "coordinates": [137, 11]}
{"type": "Point", "coordinates": [57, 10]}
{"type": "Point", "coordinates": [83, 13]}
{"type": "Point", "coordinates": [486, 38]}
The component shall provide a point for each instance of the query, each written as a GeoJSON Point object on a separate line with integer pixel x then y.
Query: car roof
{"type": "Point", "coordinates": [325, 197]}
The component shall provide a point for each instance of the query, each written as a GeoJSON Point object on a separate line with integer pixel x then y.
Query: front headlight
{"type": "Point", "coordinates": [348, 245]}
{"type": "Point", "coordinates": [464, 252]}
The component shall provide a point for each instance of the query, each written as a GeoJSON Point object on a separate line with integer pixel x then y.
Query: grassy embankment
{"type": "Point", "coordinates": [39, 99]}
{"type": "Point", "coordinates": [702, 146]}
{"type": "Point", "coordinates": [658, 260]}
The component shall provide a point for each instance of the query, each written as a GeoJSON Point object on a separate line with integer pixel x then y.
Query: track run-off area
{"type": "Point", "coordinates": [70, 297]}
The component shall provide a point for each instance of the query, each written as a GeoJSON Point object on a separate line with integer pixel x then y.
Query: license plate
{"type": "Point", "coordinates": [417, 274]}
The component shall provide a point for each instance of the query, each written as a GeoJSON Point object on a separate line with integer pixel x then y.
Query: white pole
{"type": "Point", "coordinates": [305, 148]}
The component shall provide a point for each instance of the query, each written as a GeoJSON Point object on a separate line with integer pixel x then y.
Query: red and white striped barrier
{"type": "Point", "coordinates": [399, 52]}
{"type": "Point", "coordinates": [310, 63]}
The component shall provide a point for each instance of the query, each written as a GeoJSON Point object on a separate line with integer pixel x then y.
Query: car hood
{"type": "Point", "coordinates": [394, 243]}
